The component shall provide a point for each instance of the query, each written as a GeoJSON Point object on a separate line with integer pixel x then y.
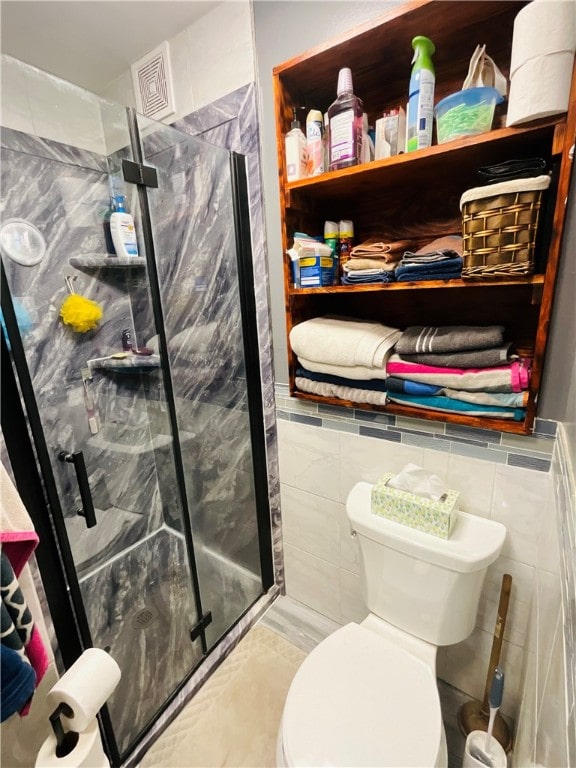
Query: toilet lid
{"type": "Point", "coordinates": [359, 700]}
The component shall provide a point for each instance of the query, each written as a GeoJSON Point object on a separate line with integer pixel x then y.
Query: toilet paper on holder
{"type": "Point", "coordinates": [84, 688]}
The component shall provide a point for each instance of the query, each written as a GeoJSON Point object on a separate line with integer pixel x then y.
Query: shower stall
{"type": "Point", "coordinates": [153, 459]}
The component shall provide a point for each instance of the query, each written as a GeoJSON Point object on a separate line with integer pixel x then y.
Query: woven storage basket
{"type": "Point", "coordinates": [499, 224]}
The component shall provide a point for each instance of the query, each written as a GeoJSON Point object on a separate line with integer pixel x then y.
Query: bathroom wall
{"type": "Point", "coordinates": [547, 726]}
{"type": "Point", "coordinates": [282, 30]}
{"type": "Point", "coordinates": [325, 450]}
{"type": "Point", "coordinates": [211, 58]}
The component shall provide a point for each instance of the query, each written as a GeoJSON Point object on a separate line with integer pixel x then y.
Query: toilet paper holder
{"type": "Point", "coordinates": [66, 741]}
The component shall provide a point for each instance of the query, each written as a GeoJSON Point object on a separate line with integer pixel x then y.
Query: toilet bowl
{"type": "Point", "coordinates": [367, 694]}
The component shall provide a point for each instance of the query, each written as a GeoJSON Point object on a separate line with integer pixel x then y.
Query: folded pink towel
{"type": "Point", "coordinates": [506, 378]}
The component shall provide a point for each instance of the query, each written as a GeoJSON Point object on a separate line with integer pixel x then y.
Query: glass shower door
{"type": "Point", "coordinates": [192, 213]}
{"type": "Point", "coordinates": [102, 411]}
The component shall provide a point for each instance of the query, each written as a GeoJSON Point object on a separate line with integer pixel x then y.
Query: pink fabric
{"type": "Point", "coordinates": [515, 374]}
{"type": "Point", "coordinates": [18, 547]}
{"type": "Point", "coordinates": [37, 655]}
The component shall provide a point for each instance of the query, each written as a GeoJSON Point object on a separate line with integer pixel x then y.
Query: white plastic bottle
{"type": "Point", "coordinates": [122, 230]}
{"type": "Point", "coordinates": [296, 155]}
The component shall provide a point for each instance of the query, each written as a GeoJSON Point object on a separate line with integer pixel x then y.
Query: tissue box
{"type": "Point", "coordinates": [437, 517]}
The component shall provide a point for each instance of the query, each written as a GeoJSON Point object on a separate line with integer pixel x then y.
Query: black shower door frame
{"type": "Point", "coordinates": [29, 456]}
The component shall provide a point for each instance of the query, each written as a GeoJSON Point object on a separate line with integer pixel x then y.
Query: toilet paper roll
{"type": "Point", "coordinates": [541, 28]}
{"type": "Point", "coordinates": [85, 687]}
{"type": "Point", "coordinates": [540, 88]}
{"type": "Point", "coordinates": [88, 753]}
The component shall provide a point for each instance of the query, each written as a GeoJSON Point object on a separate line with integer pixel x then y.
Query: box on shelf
{"type": "Point", "coordinates": [436, 517]}
{"type": "Point", "coordinates": [313, 271]}
{"type": "Point", "coordinates": [390, 134]}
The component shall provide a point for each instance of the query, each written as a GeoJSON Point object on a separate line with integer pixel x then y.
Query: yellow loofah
{"type": "Point", "coordinates": [80, 313]}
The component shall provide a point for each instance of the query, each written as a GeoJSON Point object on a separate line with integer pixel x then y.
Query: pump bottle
{"type": "Point", "coordinates": [122, 230]}
{"type": "Point", "coordinates": [345, 117]}
{"type": "Point", "coordinates": [421, 96]}
{"type": "Point", "coordinates": [296, 156]}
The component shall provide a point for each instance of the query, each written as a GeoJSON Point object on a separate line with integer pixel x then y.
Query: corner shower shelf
{"type": "Point", "coordinates": [132, 364]}
{"type": "Point", "coordinates": [107, 262]}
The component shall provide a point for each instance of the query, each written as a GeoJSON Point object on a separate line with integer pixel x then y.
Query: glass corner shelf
{"type": "Point", "coordinates": [96, 261]}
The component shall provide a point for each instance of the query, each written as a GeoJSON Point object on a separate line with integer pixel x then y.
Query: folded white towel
{"type": "Point", "coordinates": [343, 342]}
{"type": "Point", "coordinates": [357, 372]}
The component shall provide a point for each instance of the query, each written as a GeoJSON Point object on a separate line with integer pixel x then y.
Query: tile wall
{"type": "Point", "coordinates": [324, 451]}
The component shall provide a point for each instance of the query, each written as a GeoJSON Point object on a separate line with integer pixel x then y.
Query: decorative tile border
{"type": "Point", "coordinates": [526, 451]}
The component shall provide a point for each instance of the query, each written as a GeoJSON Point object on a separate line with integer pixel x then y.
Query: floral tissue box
{"type": "Point", "coordinates": [437, 517]}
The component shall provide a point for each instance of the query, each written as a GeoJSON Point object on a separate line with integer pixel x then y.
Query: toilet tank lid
{"type": "Point", "coordinates": [474, 544]}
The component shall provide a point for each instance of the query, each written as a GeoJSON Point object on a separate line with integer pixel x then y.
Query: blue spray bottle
{"type": "Point", "coordinates": [421, 98]}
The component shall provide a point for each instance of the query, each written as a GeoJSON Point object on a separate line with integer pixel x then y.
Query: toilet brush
{"type": "Point", "coordinates": [475, 715]}
{"type": "Point", "coordinates": [494, 700]}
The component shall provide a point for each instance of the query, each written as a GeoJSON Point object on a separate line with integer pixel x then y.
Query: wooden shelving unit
{"type": "Point", "coordinates": [416, 195]}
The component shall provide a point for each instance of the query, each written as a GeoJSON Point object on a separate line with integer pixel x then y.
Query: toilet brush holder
{"type": "Point", "coordinates": [477, 756]}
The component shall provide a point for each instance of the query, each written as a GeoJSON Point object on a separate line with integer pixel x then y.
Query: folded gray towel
{"type": "Point", "coordinates": [475, 358]}
{"type": "Point", "coordinates": [419, 339]}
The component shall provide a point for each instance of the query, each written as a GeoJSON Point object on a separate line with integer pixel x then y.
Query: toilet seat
{"type": "Point", "coordinates": [360, 700]}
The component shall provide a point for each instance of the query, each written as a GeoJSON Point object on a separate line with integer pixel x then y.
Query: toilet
{"type": "Point", "coordinates": [367, 694]}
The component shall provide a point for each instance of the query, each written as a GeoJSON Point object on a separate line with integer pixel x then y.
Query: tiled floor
{"type": "Point", "coordinates": [233, 719]}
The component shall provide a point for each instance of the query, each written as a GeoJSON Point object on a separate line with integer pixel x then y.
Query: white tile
{"type": "Point", "coordinates": [519, 502]}
{"type": "Point", "coordinates": [436, 462]}
{"type": "Point", "coordinates": [352, 605]}
{"type": "Point", "coordinates": [368, 458]}
{"type": "Point", "coordinates": [309, 458]}
{"type": "Point", "coordinates": [227, 62]}
{"type": "Point", "coordinates": [181, 75]}
{"type": "Point", "coordinates": [16, 112]}
{"type": "Point", "coordinates": [311, 523]}
{"type": "Point", "coordinates": [548, 548]}
{"type": "Point", "coordinates": [349, 552]}
{"type": "Point", "coordinates": [312, 581]}
{"type": "Point", "coordinates": [519, 603]}
{"type": "Point", "coordinates": [475, 481]}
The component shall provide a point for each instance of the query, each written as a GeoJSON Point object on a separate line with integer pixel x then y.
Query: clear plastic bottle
{"type": "Point", "coordinates": [296, 155]}
{"type": "Point", "coordinates": [345, 120]}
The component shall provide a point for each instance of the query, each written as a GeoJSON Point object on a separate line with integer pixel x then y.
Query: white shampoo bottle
{"type": "Point", "coordinates": [122, 230]}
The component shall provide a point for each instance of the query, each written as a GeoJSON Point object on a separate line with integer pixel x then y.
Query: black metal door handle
{"type": "Point", "coordinates": [87, 511]}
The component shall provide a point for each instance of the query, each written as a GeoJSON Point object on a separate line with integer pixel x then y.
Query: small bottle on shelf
{"type": "Point", "coordinates": [345, 117]}
{"type": "Point", "coordinates": [345, 243]}
{"type": "Point", "coordinates": [296, 154]}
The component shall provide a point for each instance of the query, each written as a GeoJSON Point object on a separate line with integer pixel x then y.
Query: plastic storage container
{"type": "Point", "coordinates": [466, 113]}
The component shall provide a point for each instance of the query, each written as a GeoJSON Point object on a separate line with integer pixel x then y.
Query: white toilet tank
{"type": "Point", "coordinates": [426, 586]}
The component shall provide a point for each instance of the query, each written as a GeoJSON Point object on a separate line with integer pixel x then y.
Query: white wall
{"type": "Point", "coordinates": [318, 467]}
{"type": "Point", "coordinates": [210, 58]}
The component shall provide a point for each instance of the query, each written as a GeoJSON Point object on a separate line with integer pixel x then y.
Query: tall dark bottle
{"type": "Point", "coordinates": [345, 121]}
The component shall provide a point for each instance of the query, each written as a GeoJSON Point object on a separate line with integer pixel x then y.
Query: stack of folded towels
{"type": "Point", "coordinates": [459, 369]}
{"type": "Point", "coordinates": [343, 358]}
{"type": "Point", "coordinates": [374, 261]}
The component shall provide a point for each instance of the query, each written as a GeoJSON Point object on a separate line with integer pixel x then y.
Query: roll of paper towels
{"type": "Point", "coordinates": [88, 753]}
{"type": "Point", "coordinates": [540, 88]}
{"type": "Point", "coordinates": [541, 28]}
{"type": "Point", "coordinates": [85, 687]}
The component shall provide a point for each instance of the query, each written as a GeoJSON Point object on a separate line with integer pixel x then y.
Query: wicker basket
{"type": "Point", "coordinates": [499, 224]}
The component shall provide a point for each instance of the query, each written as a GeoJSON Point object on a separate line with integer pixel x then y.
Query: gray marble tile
{"type": "Point", "coordinates": [302, 626]}
{"type": "Point", "coordinates": [144, 615]}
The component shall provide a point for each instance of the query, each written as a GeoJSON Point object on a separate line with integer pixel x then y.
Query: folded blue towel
{"type": "Point", "coordinates": [411, 387]}
{"type": "Point", "coordinates": [431, 271]}
{"type": "Point", "coordinates": [18, 682]}
{"type": "Point", "coordinates": [371, 385]}
{"type": "Point", "coordinates": [450, 405]}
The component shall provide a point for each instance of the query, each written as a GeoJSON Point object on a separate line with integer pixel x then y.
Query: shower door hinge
{"type": "Point", "coordinates": [138, 173]}
{"type": "Point", "coordinates": [201, 626]}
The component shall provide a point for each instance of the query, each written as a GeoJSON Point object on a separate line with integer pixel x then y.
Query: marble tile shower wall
{"type": "Point", "coordinates": [325, 451]}
{"type": "Point", "coordinates": [37, 176]}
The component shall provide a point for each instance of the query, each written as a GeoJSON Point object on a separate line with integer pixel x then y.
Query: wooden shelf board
{"type": "Point", "coordinates": [392, 170]}
{"type": "Point", "coordinates": [500, 425]}
{"type": "Point", "coordinates": [422, 285]}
